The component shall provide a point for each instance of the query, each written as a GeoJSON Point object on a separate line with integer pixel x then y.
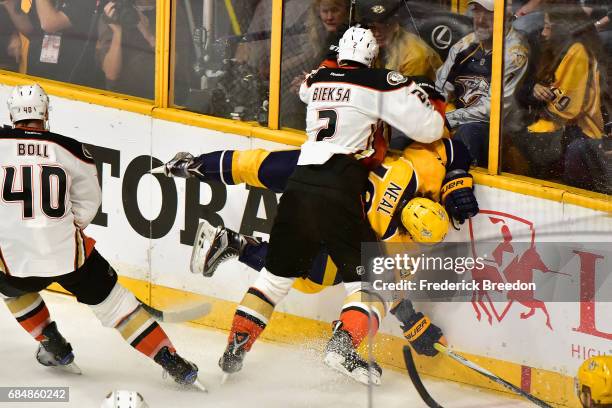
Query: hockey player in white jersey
{"type": "Point", "coordinates": [321, 205]}
{"type": "Point", "coordinates": [346, 104]}
{"type": "Point", "coordinates": [50, 194]}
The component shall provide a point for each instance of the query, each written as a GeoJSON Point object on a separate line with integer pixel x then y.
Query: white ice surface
{"type": "Point", "coordinates": [274, 375]}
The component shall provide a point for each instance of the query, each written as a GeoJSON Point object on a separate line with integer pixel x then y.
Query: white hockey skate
{"type": "Point", "coordinates": [215, 245]}
{"type": "Point", "coordinates": [203, 242]}
{"type": "Point", "coordinates": [54, 351]}
{"type": "Point", "coordinates": [342, 357]}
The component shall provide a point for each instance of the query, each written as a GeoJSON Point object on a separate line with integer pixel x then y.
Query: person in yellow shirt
{"type": "Point", "coordinates": [400, 50]}
{"type": "Point", "coordinates": [566, 94]}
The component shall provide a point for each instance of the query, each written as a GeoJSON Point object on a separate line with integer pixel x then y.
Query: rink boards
{"type": "Point", "coordinates": [145, 228]}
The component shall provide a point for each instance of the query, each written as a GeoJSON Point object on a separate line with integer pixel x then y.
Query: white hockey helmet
{"type": "Point", "coordinates": [28, 102]}
{"type": "Point", "coordinates": [124, 399]}
{"type": "Point", "coordinates": [359, 45]}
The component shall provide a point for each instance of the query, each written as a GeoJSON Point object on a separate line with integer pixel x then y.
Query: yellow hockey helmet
{"type": "Point", "coordinates": [426, 221]}
{"type": "Point", "coordinates": [594, 382]}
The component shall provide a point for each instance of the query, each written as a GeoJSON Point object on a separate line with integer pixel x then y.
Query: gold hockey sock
{"type": "Point", "coordinates": [143, 333]}
{"type": "Point", "coordinates": [31, 312]}
{"type": "Point", "coordinates": [252, 316]}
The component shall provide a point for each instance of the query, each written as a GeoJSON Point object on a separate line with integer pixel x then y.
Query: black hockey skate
{"type": "Point", "coordinates": [225, 244]}
{"type": "Point", "coordinates": [233, 357]}
{"type": "Point", "coordinates": [183, 371]}
{"type": "Point", "coordinates": [342, 356]}
{"type": "Point", "coordinates": [55, 351]}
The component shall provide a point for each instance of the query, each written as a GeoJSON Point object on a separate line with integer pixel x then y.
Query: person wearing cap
{"type": "Point", "coordinates": [399, 50]}
{"type": "Point", "coordinates": [465, 79]}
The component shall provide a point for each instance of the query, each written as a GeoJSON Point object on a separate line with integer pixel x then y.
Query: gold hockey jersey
{"type": "Point", "coordinates": [577, 95]}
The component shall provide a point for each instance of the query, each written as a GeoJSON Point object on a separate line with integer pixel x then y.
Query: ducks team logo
{"type": "Point", "coordinates": [395, 78]}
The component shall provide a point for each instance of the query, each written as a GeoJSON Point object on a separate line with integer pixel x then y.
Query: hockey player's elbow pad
{"type": "Point", "coordinates": [420, 332]}
{"type": "Point", "coordinates": [457, 195]}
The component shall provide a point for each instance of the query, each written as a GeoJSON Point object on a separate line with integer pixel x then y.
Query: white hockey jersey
{"type": "Point", "coordinates": [50, 193]}
{"type": "Point", "coordinates": [347, 105]}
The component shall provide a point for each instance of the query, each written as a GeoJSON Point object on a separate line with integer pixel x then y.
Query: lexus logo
{"type": "Point", "coordinates": [441, 37]}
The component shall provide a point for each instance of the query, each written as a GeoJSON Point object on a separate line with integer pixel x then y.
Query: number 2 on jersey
{"type": "Point", "coordinates": [53, 186]}
{"type": "Point", "coordinates": [330, 127]}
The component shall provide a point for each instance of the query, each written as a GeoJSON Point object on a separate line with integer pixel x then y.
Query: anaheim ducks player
{"type": "Point", "coordinates": [50, 194]}
{"type": "Point", "coordinates": [322, 200]}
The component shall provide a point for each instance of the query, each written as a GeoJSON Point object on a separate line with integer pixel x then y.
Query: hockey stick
{"type": "Point", "coordinates": [490, 375]}
{"type": "Point", "coordinates": [178, 316]}
{"type": "Point", "coordinates": [416, 379]}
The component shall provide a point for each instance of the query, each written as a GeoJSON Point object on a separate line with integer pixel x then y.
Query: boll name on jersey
{"type": "Point", "coordinates": [331, 94]}
{"type": "Point", "coordinates": [32, 149]}
{"type": "Point", "coordinates": [392, 192]}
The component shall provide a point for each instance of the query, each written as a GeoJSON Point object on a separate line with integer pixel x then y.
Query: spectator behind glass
{"type": "Point", "coordinates": [565, 98]}
{"type": "Point", "coordinates": [325, 23]}
{"type": "Point", "coordinates": [465, 78]}
{"type": "Point", "coordinates": [10, 43]}
{"type": "Point", "coordinates": [126, 48]}
{"type": "Point", "coordinates": [62, 37]}
{"type": "Point", "coordinates": [600, 12]}
{"type": "Point", "coordinates": [399, 50]}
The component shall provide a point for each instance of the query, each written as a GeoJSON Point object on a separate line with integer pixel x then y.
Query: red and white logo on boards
{"type": "Point", "coordinates": [507, 245]}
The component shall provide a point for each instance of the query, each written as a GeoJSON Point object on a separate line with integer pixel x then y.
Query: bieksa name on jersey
{"type": "Point", "coordinates": [331, 94]}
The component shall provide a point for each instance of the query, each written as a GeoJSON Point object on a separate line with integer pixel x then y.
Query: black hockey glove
{"type": "Point", "coordinates": [428, 86]}
{"type": "Point", "coordinates": [183, 165]}
{"type": "Point", "coordinates": [457, 195]}
{"type": "Point", "coordinates": [418, 329]}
